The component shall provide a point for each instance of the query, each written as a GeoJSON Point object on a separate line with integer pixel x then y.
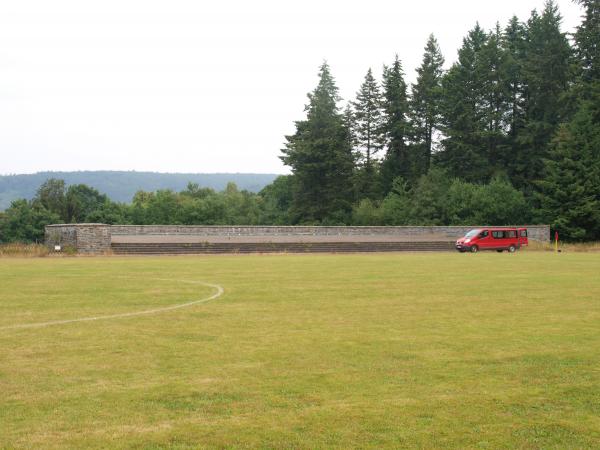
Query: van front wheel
{"type": "Point", "coordinates": [474, 249]}
{"type": "Point", "coordinates": [512, 249]}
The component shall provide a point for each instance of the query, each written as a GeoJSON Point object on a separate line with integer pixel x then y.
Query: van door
{"type": "Point", "coordinates": [523, 238]}
{"type": "Point", "coordinates": [484, 239]}
{"type": "Point", "coordinates": [512, 238]}
{"type": "Point", "coordinates": [498, 239]}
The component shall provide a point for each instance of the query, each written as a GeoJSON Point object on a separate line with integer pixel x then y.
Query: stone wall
{"type": "Point", "coordinates": [536, 232]}
{"type": "Point", "coordinates": [86, 238]}
{"type": "Point", "coordinates": [94, 238]}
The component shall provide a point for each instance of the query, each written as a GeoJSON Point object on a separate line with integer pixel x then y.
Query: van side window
{"type": "Point", "coordinates": [498, 234]}
{"type": "Point", "coordinates": [512, 234]}
{"type": "Point", "coordinates": [484, 234]}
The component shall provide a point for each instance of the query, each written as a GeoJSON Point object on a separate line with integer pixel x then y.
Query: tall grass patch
{"type": "Point", "coordinates": [23, 250]}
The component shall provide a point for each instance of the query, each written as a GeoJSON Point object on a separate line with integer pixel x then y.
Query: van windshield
{"type": "Point", "coordinates": [472, 233]}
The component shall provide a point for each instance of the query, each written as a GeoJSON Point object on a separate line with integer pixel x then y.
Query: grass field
{"type": "Point", "coordinates": [370, 351]}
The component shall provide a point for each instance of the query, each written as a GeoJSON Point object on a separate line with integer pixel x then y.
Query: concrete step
{"type": "Point", "coordinates": [279, 247]}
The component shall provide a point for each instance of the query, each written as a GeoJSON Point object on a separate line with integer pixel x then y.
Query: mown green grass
{"type": "Point", "coordinates": [370, 351]}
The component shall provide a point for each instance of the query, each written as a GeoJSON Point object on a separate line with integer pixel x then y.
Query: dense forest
{"type": "Point", "coordinates": [509, 134]}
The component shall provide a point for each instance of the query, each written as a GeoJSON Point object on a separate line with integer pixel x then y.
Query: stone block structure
{"type": "Point", "coordinates": [184, 239]}
{"type": "Point", "coordinates": [536, 232]}
{"type": "Point", "coordinates": [85, 238]}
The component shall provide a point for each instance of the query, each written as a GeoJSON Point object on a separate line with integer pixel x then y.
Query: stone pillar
{"type": "Point", "coordinates": [85, 238]}
{"type": "Point", "coordinates": [93, 238]}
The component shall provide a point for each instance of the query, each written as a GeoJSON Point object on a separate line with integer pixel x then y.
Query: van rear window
{"type": "Point", "coordinates": [523, 233]}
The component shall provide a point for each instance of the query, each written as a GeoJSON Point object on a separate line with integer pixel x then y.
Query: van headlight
{"type": "Point", "coordinates": [467, 241]}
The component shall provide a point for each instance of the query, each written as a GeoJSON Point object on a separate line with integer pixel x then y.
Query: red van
{"type": "Point", "coordinates": [499, 239]}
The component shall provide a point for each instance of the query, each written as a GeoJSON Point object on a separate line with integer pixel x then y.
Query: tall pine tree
{"type": "Point", "coordinates": [568, 194]}
{"type": "Point", "coordinates": [570, 191]}
{"type": "Point", "coordinates": [398, 160]}
{"type": "Point", "coordinates": [465, 147]}
{"type": "Point", "coordinates": [587, 41]}
{"type": "Point", "coordinates": [547, 73]}
{"type": "Point", "coordinates": [369, 133]}
{"type": "Point", "coordinates": [514, 45]}
{"type": "Point", "coordinates": [495, 101]}
{"type": "Point", "coordinates": [321, 158]}
{"type": "Point", "coordinates": [368, 119]}
{"type": "Point", "coordinates": [425, 105]}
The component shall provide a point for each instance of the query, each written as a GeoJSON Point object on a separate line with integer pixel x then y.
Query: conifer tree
{"type": "Point", "coordinates": [569, 196]}
{"type": "Point", "coordinates": [492, 69]}
{"type": "Point", "coordinates": [464, 152]}
{"type": "Point", "coordinates": [350, 124]}
{"type": "Point", "coordinates": [547, 74]}
{"type": "Point", "coordinates": [587, 40]}
{"type": "Point", "coordinates": [368, 120]}
{"type": "Point", "coordinates": [398, 161]}
{"type": "Point", "coordinates": [425, 105]}
{"type": "Point", "coordinates": [321, 158]}
{"type": "Point", "coordinates": [368, 134]}
{"type": "Point", "coordinates": [514, 43]}
{"type": "Point", "coordinates": [570, 191]}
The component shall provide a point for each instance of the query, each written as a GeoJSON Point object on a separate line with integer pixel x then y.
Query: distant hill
{"type": "Point", "coordinates": [121, 186]}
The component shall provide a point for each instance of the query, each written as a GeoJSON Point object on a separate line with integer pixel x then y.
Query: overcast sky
{"type": "Point", "coordinates": [191, 86]}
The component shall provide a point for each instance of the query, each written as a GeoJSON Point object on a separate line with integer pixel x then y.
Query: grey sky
{"type": "Point", "coordinates": [189, 86]}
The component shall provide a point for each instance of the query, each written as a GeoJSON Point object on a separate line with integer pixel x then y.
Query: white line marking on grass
{"type": "Point", "coordinates": [219, 291]}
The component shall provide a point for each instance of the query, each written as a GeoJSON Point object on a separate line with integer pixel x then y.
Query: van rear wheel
{"type": "Point", "coordinates": [474, 249]}
{"type": "Point", "coordinates": [512, 249]}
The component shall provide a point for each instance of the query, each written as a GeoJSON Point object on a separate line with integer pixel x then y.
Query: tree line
{"type": "Point", "coordinates": [519, 107]}
{"type": "Point", "coordinates": [121, 186]}
{"type": "Point", "coordinates": [437, 199]}
{"type": "Point", "coordinates": [509, 134]}
{"type": "Point", "coordinates": [54, 202]}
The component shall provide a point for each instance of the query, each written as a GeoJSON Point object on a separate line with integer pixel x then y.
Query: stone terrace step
{"type": "Point", "coordinates": [279, 247]}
